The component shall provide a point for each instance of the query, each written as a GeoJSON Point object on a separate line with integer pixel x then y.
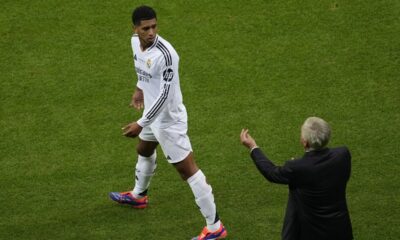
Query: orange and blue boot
{"type": "Point", "coordinates": [128, 198]}
{"type": "Point", "coordinates": [208, 235]}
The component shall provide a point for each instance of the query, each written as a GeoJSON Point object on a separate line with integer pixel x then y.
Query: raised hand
{"type": "Point", "coordinates": [246, 139]}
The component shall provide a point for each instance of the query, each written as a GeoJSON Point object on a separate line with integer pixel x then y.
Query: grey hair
{"type": "Point", "coordinates": [316, 132]}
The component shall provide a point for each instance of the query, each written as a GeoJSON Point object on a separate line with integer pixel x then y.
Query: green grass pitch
{"type": "Point", "coordinates": [66, 81]}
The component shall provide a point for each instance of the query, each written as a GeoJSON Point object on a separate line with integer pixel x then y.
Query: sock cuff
{"type": "Point", "coordinates": [145, 166]}
{"type": "Point", "coordinates": [151, 158]}
{"type": "Point", "coordinates": [198, 176]}
{"type": "Point", "coordinates": [144, 174]}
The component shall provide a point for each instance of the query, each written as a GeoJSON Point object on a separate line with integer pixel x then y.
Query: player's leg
{"type": "Point", "coordinates": [145, 167]}
{"type": "Point", "coordinates": [204, 197]}
{"type": "Point", "coordinates": [177, 148]}
{"type": "Point", "coordinates": [187, 167]}
{"type": "Point", "coordinates": [144, 171]}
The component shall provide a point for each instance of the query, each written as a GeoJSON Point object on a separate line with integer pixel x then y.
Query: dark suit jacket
{"type": "Point", "coordinates": [317, 207]}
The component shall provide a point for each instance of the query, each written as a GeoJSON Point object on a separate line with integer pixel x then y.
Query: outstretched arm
{"type": "Point", "coordinates": [271, 172]}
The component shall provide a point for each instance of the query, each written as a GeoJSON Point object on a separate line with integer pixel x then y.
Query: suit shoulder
{"type": "Point", "coordinates": [341, 149]}
{"type": "Point", "coordinates": [295, 163]}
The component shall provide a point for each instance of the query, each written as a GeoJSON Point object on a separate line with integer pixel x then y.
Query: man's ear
{"type": "Point", "coordinates": [304, 143]}
{"type": "Point", "coordinates": [134, 29]}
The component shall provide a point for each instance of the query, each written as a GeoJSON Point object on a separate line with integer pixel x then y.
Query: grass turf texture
{"type": "Point", "coordinates": [66, 82]}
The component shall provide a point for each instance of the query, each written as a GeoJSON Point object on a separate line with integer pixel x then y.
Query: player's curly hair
{"type": "Point", "coordinates": [143, 13]}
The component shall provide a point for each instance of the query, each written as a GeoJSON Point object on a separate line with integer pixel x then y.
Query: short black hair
{"type": "Point", "coordinates": [143, 13]}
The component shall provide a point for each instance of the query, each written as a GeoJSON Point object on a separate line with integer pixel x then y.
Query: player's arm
{"type": "Point", "coordinates": [137, 99]}
{"type": "Point", "coordinates": [169, 71]}
{"type": "Point", "coordinates": [133, 129]}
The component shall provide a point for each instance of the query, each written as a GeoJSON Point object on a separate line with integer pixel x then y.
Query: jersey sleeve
{"type": "Point", "coordinates": [135, 45]}
{"type": "Point", "coordinates": [168, 66]}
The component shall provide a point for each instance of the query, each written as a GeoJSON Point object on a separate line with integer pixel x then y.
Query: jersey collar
{"type": "Point", "coordinates": [154, 43]}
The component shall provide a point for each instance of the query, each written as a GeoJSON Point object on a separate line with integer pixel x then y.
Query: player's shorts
{"type": "Point", "coordinates": [173, 140]}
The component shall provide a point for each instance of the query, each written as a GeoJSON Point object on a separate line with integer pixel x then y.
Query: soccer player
{"type": "Point", "coordinates": [164, 122]}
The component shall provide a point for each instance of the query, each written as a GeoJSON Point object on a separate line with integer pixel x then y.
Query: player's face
{"type": "Point", "coordinates": [147, 31]}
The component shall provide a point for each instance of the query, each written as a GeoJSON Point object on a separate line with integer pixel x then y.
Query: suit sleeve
{"type": "Point", "coordinates": [169, 70]}
{"type": "Point", "coordinates": [273, 173]}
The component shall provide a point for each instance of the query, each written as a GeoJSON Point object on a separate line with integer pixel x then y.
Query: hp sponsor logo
{"type": "Point", "coordinates": [168, 74]}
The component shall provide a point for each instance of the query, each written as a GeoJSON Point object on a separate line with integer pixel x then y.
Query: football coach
{"type": "Point", "coordinates": [316, 208]}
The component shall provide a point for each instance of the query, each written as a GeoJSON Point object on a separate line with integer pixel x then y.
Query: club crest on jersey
{"type": "Point", "coordinates": [168, 74]}
{"type": "Point", "coordinates": [148, 63]}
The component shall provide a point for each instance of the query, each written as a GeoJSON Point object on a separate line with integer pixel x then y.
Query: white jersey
{"type": "Point", "coordinates": [158, 77]}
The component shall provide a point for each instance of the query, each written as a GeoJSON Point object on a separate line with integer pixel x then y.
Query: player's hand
{"type": "Point", "coordinates": [137, 99]}
{"type": "Point", "coordinates": [246, 139]}
{"type": "Point", "coordinates": [132, 130]}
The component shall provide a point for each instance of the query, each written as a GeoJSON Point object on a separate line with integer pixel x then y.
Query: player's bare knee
{"type": "Point", "coordinates": [144, 150]}
{"type": "Point", "coordinates": [186, 168]}
{"type": "Point", "coordinates": [184, 173]}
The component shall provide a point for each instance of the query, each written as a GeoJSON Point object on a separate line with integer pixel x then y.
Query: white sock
{"type": "Point", "coordinates": [145, 168]}
{"type": "Point", "coordinates": [204, 198]}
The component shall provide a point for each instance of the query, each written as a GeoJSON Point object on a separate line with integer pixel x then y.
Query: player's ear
{"type": "Point", "coordinates": [134, 29]}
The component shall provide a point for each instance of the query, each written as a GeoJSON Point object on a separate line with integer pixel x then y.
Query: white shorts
{"type": "Point", "coordinates": [173, 140]}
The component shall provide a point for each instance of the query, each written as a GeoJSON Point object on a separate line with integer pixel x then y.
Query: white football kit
{"type": "Point", "coordinates": [164, 120]}
{"type": "Point", "coordinates": [164, 117]}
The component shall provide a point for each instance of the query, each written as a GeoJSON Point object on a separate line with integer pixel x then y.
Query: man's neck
{"type": "Point", "coordinates": [308, 149]}
{"type": "Point", "coordinates": [144, 46]}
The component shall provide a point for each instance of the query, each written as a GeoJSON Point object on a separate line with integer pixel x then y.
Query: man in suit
{"type": "Point", "coordinates": [316, 208]}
